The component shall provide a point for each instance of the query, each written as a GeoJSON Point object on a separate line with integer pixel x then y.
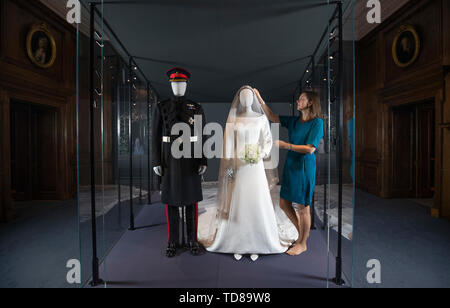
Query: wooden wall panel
{"type": "Point", "coordinates": [382, 86]}
{"type": "Point", "coordinates": [367, 117]}
{"type": "Point", "coordinates": [443, 177]}
{"type": "Point", "coordinates": [426, 19]}
{"type": "Point", "coordinates": [445, 116]}
{"type": "Point", "coordinates": [20, 80]}
{"type": "Point", "coordinates": [6, 208]}
{"type": "Point", "coordinates": [445, 209]}
{"type": "Point", "coordinates": [446, 31]}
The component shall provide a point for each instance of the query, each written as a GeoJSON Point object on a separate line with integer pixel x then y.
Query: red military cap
{"type": "Point", "coordinates": [178, 74]}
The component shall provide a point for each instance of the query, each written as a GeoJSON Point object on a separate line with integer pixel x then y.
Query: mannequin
{"type": "Point", "coordinates": [246, 100]}
{"type": "Point", "coordinates": [180, 177]}
{"type": "Point", "coordinates": [244, 219]}
{"type": "Point", "coordinates": [179, 90]}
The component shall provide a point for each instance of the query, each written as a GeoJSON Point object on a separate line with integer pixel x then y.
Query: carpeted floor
{"type": "Point", "coordinates": [413, 247]}
{"type": "Point", "coordinates": [35, 247]}
{"type": "Point", "coordinates": [138, 260]}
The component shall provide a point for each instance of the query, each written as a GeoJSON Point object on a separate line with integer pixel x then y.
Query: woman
{"type": "Point", "coordinates": [299, 177]}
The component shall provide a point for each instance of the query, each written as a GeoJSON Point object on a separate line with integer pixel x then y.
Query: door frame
{"type": "Point", "coordinates": [387, 147]}
{"type": "Point", "coordinates": [65, 141]}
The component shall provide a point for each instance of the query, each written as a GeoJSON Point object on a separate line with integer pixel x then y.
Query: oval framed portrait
{"type": "Point", "coordinates": [406, 46]}
{"type": "Point", "coordinates": [41, 46]}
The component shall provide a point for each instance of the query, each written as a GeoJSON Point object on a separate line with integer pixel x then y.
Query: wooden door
{"type": "Point", "coordinates": [413, 153]}
{"type": "Point", "coordinates": [20, 152]}
{"type": "Point", "coordinates": [425, 151]}
{"type": "Point", "coordinates": [33, 152]}
{"type": "Point", "coordinates": [403, 153]}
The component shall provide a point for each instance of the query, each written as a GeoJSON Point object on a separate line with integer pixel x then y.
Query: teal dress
{"type": "Point", "coordinates": [299, 175]}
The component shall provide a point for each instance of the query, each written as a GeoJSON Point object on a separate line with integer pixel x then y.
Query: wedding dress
{"type": "Point", "coordinates": [244, 220]}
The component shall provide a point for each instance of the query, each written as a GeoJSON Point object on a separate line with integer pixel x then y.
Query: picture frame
{"type": "Point", "coordinates": [406, 46]}
{"type": "Point", "coordinates": [41, 46]}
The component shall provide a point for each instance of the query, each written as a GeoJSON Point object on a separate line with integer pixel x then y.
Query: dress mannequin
{"type": "Point", "coordinates": [243, 221]}
{"type": "Point", "coordinates": [246, 100]}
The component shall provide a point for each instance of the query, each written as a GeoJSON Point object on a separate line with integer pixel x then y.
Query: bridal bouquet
{"type": "Point", "coordinates": [251, 154]}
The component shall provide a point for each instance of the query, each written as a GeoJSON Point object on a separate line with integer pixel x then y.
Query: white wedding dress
{"type": "Point", "coordinates": [245, 219]}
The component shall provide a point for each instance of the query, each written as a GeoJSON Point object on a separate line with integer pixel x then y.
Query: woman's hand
{"type": "Point", "coordinates": [281, 144]}
{"type": "Point", "coordinates": [270, 115]}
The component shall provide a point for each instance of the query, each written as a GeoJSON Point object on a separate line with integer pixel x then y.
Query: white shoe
{"type": "Point", "coordinates": [254, 257]}
{"type": "Point", "coordinates": [237, 256]}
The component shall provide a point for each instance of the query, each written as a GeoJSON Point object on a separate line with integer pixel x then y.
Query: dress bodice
{"type": "Point", "coordinates": [248, 131]}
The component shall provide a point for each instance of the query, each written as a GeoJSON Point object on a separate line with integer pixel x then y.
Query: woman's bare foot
{"type": "Point", "coordinates": [298, 249]}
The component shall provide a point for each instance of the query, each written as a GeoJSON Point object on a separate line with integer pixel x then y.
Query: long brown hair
{"type": "Point", "coordinates": [315, 109]}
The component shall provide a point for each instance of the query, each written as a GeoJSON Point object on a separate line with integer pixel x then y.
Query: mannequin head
{"type": "Point", "coordinates": [246, 98]}
{"type": "Point", "coordinates": [179, 88]}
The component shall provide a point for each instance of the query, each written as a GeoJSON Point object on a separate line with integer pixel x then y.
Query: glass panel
{"type": "Point", "coordinates": [334, 192]}
{"type": "Point", "coordinates": [92, 173]}
{"type": "Point", "coordinates": [125, 144]}
{"type": "Point", "coordinates": [339, 188]}
{"type": "Point", "coordinates": [348, 139]}
{"type": "Point", "coordinates": [122, 135]}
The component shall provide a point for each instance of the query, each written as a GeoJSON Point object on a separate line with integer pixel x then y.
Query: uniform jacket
{"type": "Point", "coordinates": [180, 183]}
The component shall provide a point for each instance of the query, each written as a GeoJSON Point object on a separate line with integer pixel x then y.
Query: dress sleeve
{"type": "Point", "coordinates": [315, 133]}
{"type": "Point", "coordinates": [267, 141]}
{"type": "Point", "coordinates": [285, 121]}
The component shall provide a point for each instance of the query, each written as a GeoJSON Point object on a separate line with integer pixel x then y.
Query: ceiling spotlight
{"type": "Point", "coordinates": [307, 71]}
{"type": "Point", "coordinates": [135, 68]}
{"type": "Point", "coordinates": [331, 57]}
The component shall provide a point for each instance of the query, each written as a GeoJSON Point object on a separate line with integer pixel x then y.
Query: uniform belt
{"type": "Point", "coordinates": [167, 139]}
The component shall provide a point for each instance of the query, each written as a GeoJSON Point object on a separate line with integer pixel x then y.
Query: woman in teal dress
{"type": "Point", "coordinates": [299, 175]}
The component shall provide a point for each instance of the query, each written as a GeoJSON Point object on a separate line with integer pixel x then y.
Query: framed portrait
{"type": "Point", "coordinates": [41, 46]}
{"type": "Point", "coordinates": [406, 46]}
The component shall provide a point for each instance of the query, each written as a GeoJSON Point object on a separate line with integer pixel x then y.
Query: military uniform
{"type": "Point", "coordinates": [181, 182]}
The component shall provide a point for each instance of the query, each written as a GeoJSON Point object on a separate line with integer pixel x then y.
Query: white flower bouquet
{"type": "Point", "coordinates": [251, 154]}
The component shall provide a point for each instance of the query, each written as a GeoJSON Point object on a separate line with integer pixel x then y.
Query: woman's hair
{"type": "Point", "coordinates": [316, 108]}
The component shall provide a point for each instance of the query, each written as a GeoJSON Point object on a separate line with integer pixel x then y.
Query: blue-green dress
{"type": "Point", "coordinates": [299, 175]}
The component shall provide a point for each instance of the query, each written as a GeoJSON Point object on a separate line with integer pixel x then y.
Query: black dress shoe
{"type": "Point", "coordinates": [171, 250]}
{"type": "Point", "coordinates": [194, 248]}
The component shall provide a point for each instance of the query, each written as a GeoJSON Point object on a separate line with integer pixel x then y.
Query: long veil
{"type": "Point", "coordinates": [228, 165]}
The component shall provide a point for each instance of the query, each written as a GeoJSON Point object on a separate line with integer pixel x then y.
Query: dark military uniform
{"type": "Point", "coordinates": [181, 182]}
